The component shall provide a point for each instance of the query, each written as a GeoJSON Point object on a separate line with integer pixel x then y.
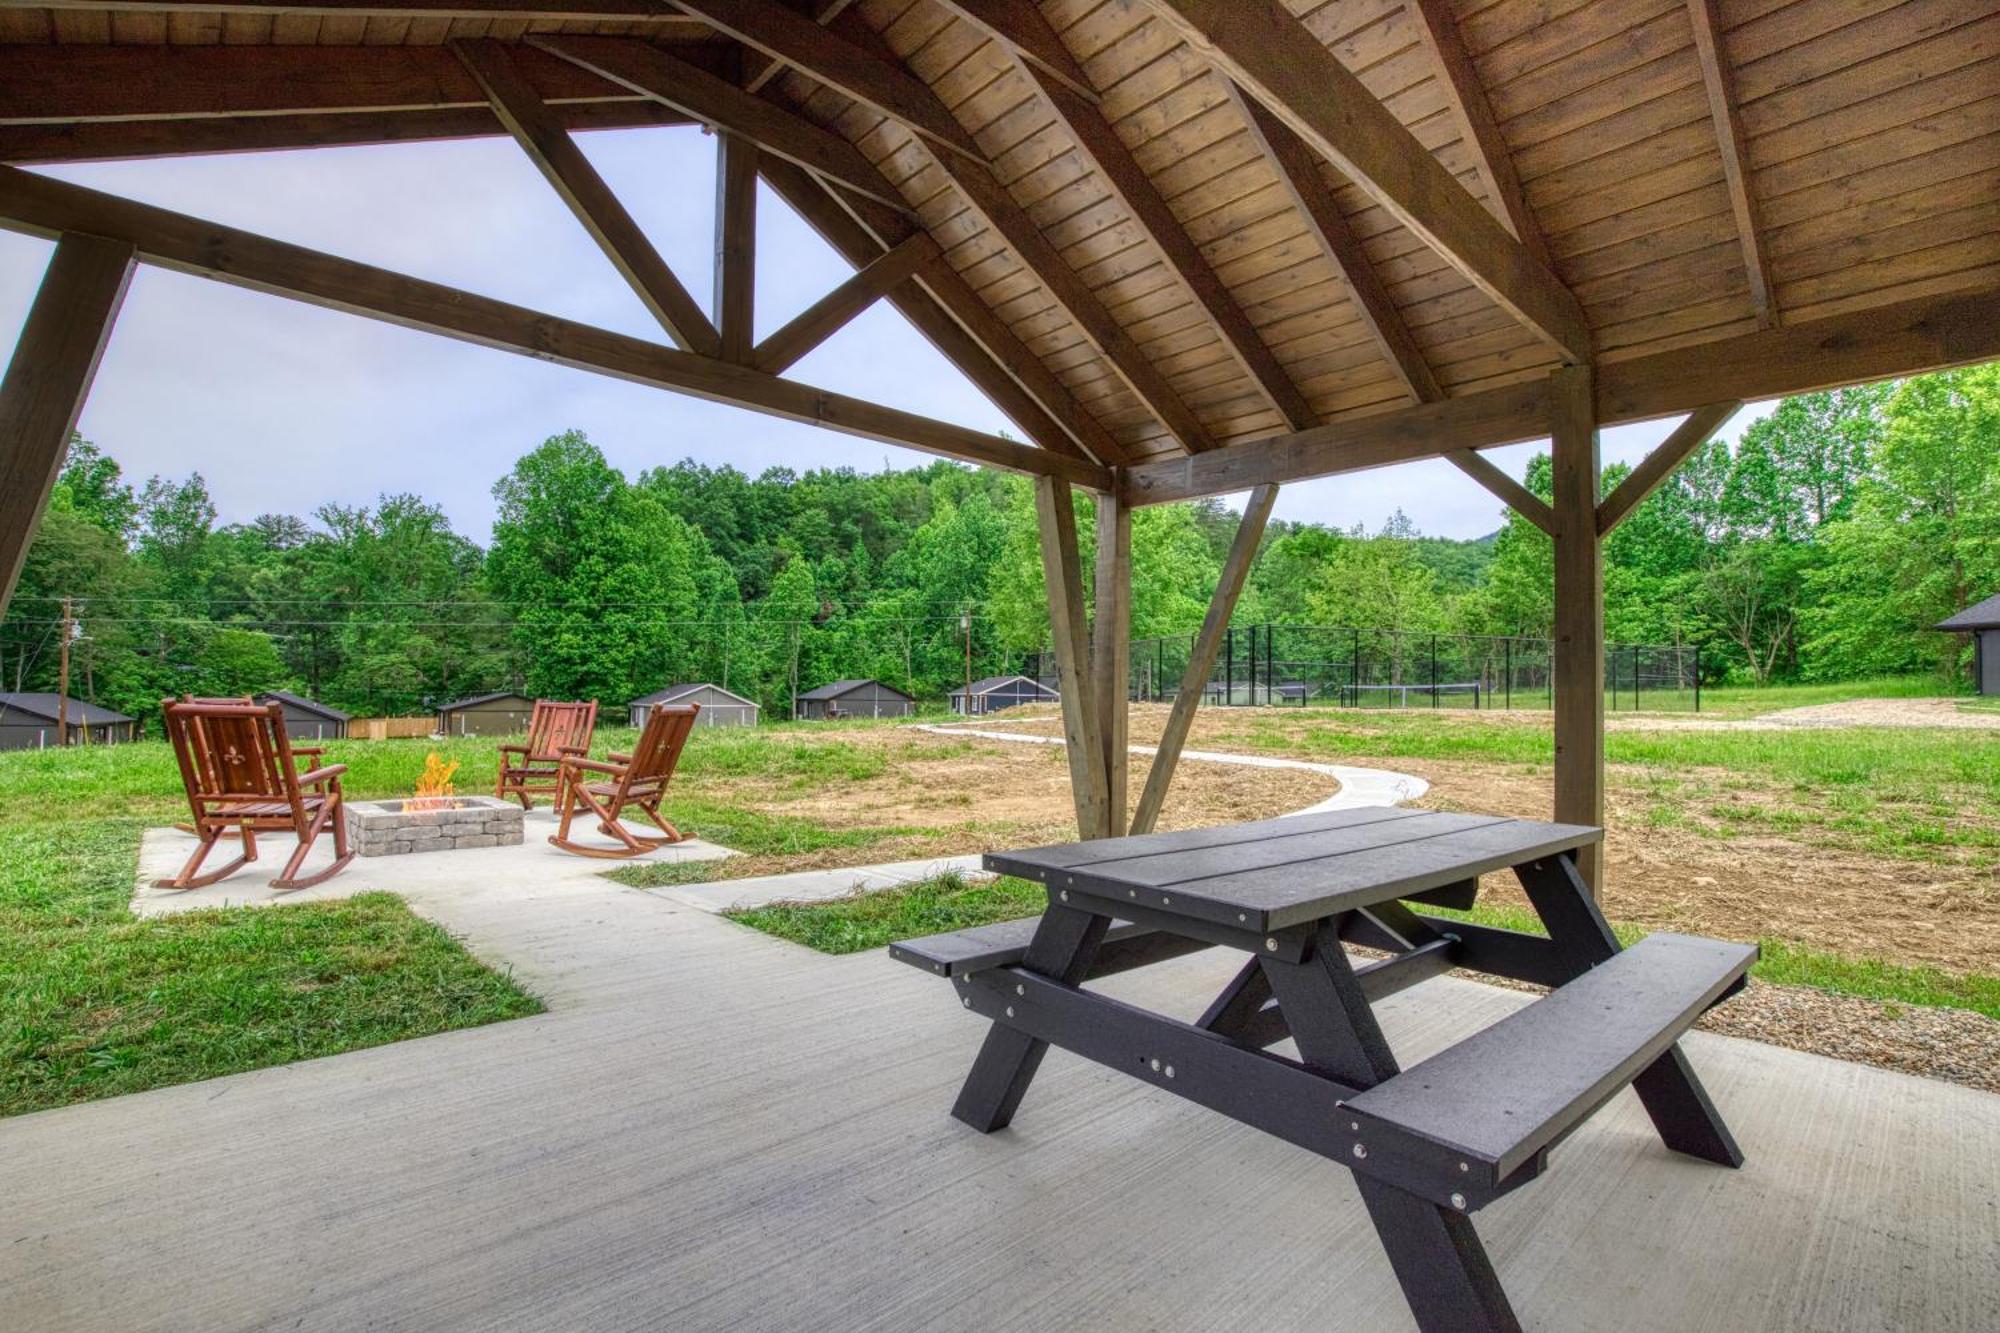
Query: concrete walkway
{"type": "Point", "coordinates": [713, 1129]}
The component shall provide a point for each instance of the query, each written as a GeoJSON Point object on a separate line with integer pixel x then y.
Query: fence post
{"type": "Point", "coordinates": [1697, 678]}
{"type": "Point", "coordinates": [1434, 671]}
{"type": "Point", "coordinates": [1270, 664]}
{"type": "Point", "coordinates": [1228, 665]}
{"type": "Point", "coordinates": [1354, 666]}
{"type": "Point", "coordinates": [1507, 672]}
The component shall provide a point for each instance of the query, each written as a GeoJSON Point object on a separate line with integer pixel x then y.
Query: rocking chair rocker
{"type": "Point", "coordinates": [237, 765]}
{"type": "Point", "coordinates": [637, 781]}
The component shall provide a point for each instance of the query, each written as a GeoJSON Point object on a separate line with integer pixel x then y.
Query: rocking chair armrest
{"type": "Point", "coordinates": [308, 751]}
{"type": "Point", "coordinates": [562, 750]}
{"type": "Point", "coordinates": [319, 775]}
{"type": "Point", "coordinates": [619, 758]}
{"type": "Point", "coordinates": [514, 749]}
{"type": "Point", "coordinates": [572, 761]}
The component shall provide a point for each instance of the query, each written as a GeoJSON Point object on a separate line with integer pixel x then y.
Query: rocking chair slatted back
{"type": "Point", "coordinates": [658, 752]}
{"type": "Point", "coordinates": [554, 727]}
{"type": "Point", "coordinates": [231, 751]}
{"type": "Point", "coordinates": [636, 782]}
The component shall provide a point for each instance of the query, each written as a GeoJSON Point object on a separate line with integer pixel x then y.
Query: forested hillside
{"type": "Point", "coordinates": [1820, 547]}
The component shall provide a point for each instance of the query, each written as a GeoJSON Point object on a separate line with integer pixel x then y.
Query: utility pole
{"type": "Point", "coordinates": [965, 627]}
{"type": "Point", "coordinates": [62, 679]}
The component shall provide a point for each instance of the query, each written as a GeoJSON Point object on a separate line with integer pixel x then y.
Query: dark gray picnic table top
{"type": "Point", "coordinates": [1284, 872]}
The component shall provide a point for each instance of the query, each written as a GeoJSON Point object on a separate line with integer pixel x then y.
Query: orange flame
{"type": "Point", "coordinates": [434, 789]}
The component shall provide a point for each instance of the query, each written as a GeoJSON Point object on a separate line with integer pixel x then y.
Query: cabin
{"type": "Point", "coordinates": [1982, 622]}
{"type": "Point", "coordinates": [997, 692]}
{"type": "Point", "coordinates": [852, 698]}
{"type": "Point", "coordinates": [34, 721]}
{"type": "Point", "coordinates": [719, 707]}
{"type": "Point", "coordinates": [503, 713]}
{"type": "Point", "coordinates": [308, 719]}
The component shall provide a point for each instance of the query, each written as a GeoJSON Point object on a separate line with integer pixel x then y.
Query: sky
{"type": "Point", "coordinates": [284, 407]}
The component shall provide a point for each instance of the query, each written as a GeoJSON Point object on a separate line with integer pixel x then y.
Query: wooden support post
{"type": "Point", "coordinates": [43, 391]}
{"type": "Point", "coordinates": [1056, 517]}
{"type": "Point", "coordinates": [1579, 615]}
{"type": "Point", "coordinates": [735, 245]}
{"type": "Point", "coordinates": [1111, 651]}
{"type": "Point", "coordinates": [1201, 658]}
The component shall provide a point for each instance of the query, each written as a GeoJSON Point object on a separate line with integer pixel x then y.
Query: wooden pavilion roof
{"type": "Point", "coordinates": [1287, 238]}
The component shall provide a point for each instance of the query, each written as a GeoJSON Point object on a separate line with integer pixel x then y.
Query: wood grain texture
{"type": "Point", "coordinates": [735, 300]}
{"type": "Point", "coordinates": [1062, 576]}
{"type": "Point", "coordinates": [1719, 82]}
{"type": "Point", "coordinates": [42, 206]}
{"type": "Point", "coordinates": [570, 174]}
{"type": "Point", "coordinates": [47, 378]}
{"type": "Point", "coordinates": [1111, 653]}
{"type": "Point", "coordinates": [834, 311]}
{"type": "Point", "coordinates": [1577, 650]}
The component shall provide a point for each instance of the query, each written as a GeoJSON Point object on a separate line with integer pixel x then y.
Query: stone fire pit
{"type": "Point", "coordinates": [388, 828]}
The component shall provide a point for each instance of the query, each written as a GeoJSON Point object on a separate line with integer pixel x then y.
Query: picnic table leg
{"type": "Point", "coordinates": [1668, 1088]}
{"type": "Point", "coordinates": [1064, 945]}
{"type": "Point", "coordinates": [1438, 1257]}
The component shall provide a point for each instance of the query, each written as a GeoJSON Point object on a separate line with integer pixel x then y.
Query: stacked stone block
{"type": "Point", "coordinates": [385, 828]}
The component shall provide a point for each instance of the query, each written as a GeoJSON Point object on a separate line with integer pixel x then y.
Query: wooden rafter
{"type": "Point", "coordinates": [111, 140]}
{"type": "Point", "coordinates": [950, 314]}
{"type": "Point", "coordinates": [1518, 497]}
{"type": "Point", "coordinates": [760, 69]}
{"type": "Point", "coordinates": [571, 175]}
{"type": "Point", "coordinates": [860, 48]}
{"type": "Point", "coordinates": [714, 101]}
{"type": "Point", "coordinates": [785, 34]}
{"type": "Point", "coordinates": [1278, 61]}
{"type": "Point", "coordinates": [1021, 29]}
{"type": "Point", "coordinates": [1299, 171]}
{"type": "Point", "coordinates": [1658, 465]}
{"type": "Point", "coordinates": [534, 11]}
{"type": "Point", "coordinates": [735, 245]}
{"type": "Point", "coordinates": [832, 312]}
{"type": "Point", "coordinates": [43, 206]}
{"type": "Point", "coordinates": [1719, 81]}
{"type": "Point", "coordinates": [1111, 652]}
{"type": "Point", "coordinates": [1437, 24]}
{"type": "Point", "coordinates": [1906, 338]}
{"type": "Point", "coordinates": [43, 390]}
{"type": "Point", "coordinates": [1201, 656]}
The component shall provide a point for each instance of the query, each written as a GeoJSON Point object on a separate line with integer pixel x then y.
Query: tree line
{"type": "Point", "coordinates": [1820, 546]}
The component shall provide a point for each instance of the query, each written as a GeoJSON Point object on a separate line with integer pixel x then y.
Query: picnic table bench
{"type": "Point", "coordinates": [1429, 1145]}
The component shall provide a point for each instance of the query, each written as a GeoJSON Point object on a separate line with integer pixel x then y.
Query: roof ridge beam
{"type": "Point", "coordinates": [1279, 62]}
{"type": "Point", "coordinates": [568, 172]}
{"type": "Point", "coordinates": [44, 206]}
{"type": "Point", "coordinates": [1027, 30]}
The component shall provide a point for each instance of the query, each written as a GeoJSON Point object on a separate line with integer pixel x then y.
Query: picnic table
{"type": "Point", "coordinates": [1428, 1146]}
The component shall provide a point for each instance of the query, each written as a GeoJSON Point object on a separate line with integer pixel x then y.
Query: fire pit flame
{"type": "Point", "coordinates": [434, 789]}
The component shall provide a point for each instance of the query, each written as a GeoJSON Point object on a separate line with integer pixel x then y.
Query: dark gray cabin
{"type": "Point", "coordinates": [997, 692]}
{"type": "Point", "coordinates": [1982, 622]}
{"type": "Point", "coordinates": [719, 707]}
{"type": "Point", "coordinates": [502, 714]}
{"type": "Point", "coordinates": [307, 719]}
{"type": "Point", "coordinates": [28, 721]}
{"type": "Point", "coordinates": [853, 698]}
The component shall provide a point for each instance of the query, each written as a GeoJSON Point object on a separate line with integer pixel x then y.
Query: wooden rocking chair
{"type": "Point", "coordinates": [556, 731]}
{"type": "Point", "coordinates": [237, 765]}
{"type": "Point", "coordinates": [636, 781]}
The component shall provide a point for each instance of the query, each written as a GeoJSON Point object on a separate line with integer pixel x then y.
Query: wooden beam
{"type": "Point", "coordinates": [1658, 465]}
{"type": "Point", "coordinates": [40, 205]}
{"type": "Point", "coordinates": [1524, 501]}
{"type": "Point", "coordinates": [736, 246]}
{"type": "Point", "coordinates": [533, 11]}
{"type": "Point", "coordinates": [1719, 81]}
{"type": "Point", "coordinates": [1201, 657]}
{"type": "Point", "coordinates": [992, 202]}
{"type": "Point", "coordinates": [1577, 653]}
{"type": "Point", "coordinates": [113, 140]}
{"type": "Point", "coordinates": [1021, 27]}
{"type": "Point", "coordinates": [765, 68]}
{"type": "Point", "coordinates": [571, 175]}
{"type": "Point", "coordinates": [48, 85]}
{"type": "Point", "coordinates": [1107, 154]}
{"type": "Point", "coordinates": [1437, 24]}
{"type": "Point", "coordinates": [1062, 574]}
{"type": "Point", "coordinates": [1298, 170]}
{"type": "Point", "coordinates": [950, 314]}
{"type": "Point", "coordinates": [47, 378]}
{"type": "Point", "coordinates": [785, 34]}
{"type": "Point", "coordinates": [1903, 338]}
{"type": "Point", "coordinates": [1111, 653]}
{"type": "Point", "coordinates": [635, 67]}
{"type": "Point", "coordinates": [1283, 65]}
{"type": "Point", "coordinates": [832, 312]}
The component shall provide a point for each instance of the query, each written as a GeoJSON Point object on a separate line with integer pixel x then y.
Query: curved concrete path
{"type": "Point", "coordinates": [1359, 787]}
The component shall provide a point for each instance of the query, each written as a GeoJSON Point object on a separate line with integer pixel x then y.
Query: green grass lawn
{"type": "Point", "coordinates": [948, 902]}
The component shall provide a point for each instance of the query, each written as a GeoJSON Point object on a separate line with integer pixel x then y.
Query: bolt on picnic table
{"type": "Point", "coordinates": [1429, 1145]}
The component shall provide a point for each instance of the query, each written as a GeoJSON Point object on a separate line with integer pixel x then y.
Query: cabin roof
{"type": "Point", "coordinates": [670, 693]}
{"type": "Point", "coordinates": [43, 705]}
{"type": "Point", "coordinates": [310, 705]}
{"type": "Point", "coordinates": [1980, 615]}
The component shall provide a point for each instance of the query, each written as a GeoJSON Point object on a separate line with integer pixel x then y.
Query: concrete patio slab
{"type": "Point", "coordinates": [813, 886]}
{"type": "Point", "coordinates": [162, 852]}
{"type": "Point", "coordinates": [713, 1129]}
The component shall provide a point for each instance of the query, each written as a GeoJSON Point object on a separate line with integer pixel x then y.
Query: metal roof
{"type": "Point", "coordinates": [300, 701]}
{"type": "Point", "coordinates": [836, 688]}
{"type": "Point", "coordinates": [475, 700]}
{"type": "Point", "coordinates": [673, 692]}
{"type": "Point", "coordinates": [44, 705]}
{"type": "Point", "coordinates": [1980, 615]}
